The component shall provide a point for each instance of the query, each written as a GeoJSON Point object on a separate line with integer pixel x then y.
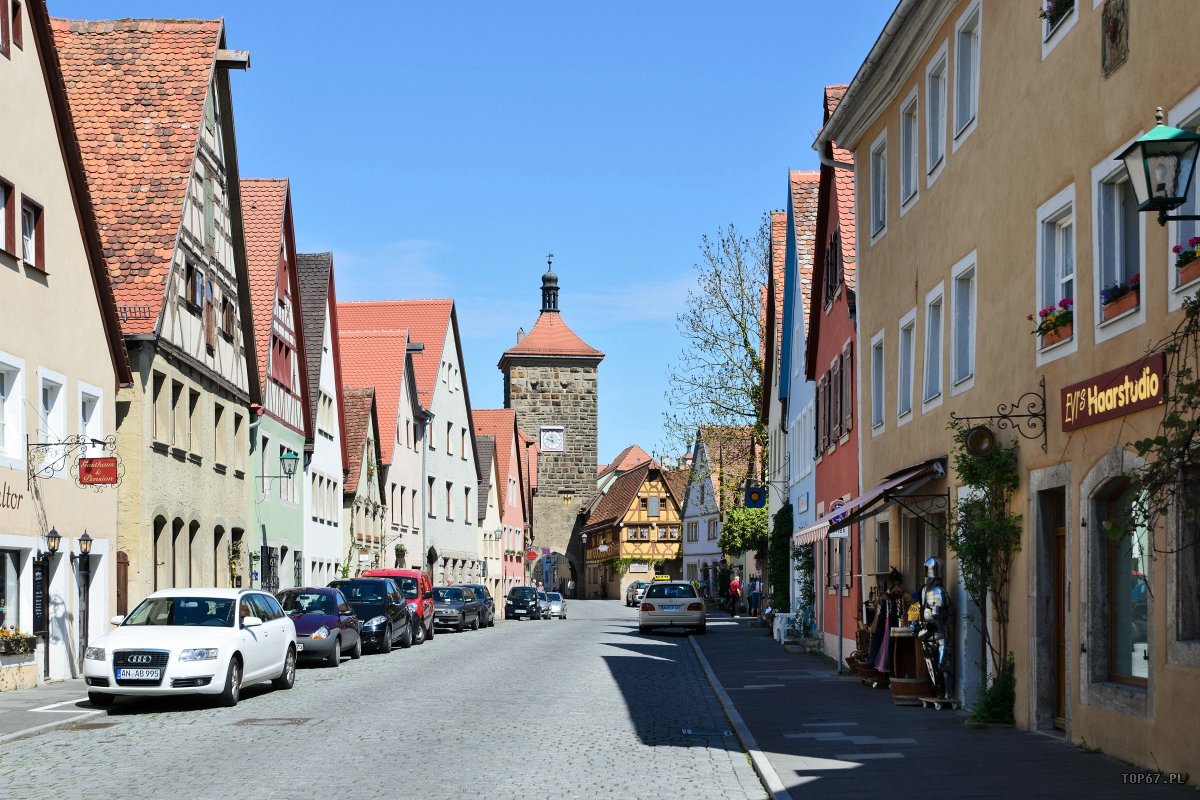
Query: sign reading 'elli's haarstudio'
{"type": "Point", "coordinates": [1134, 387]}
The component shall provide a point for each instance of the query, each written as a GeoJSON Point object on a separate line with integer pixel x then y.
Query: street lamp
{"type": "Point", "coordinates": [288, 462]}
{"type": "Point", "coordinates": [83, 563]}
{"type": "Point", "coordinates": [1160, 166]}
{"type": "Point", "coordinates": [53, 540]}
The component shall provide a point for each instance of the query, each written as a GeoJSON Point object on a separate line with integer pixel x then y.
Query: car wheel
{"type": "Point", "coordinates": [419, 633]}
{"type": "Point", "coordinates": [462, 625]}
{"type": "Point", "coordinates": [101, 700]}
{"type": "Point", "coordinates": [429, 630]}
{"type": "Point", "coordinates": [386, 647]}
{"type": "Point", "coordinates": [334, 658]}
{"type": "Point", "coordinates": [233, 685]}
{"type": "Point", "coordinates": [287, 678]}
{"type": "Point", "coordinates": [643, 630]}
{"type": "Point", "coordinates": [356, 653]}
{"type": "Point", "coordinates": [475, 624]}
{"type": "Point", "coordinates": [701, 629]}
{"type": "Point", "coordinates": [406, 638]}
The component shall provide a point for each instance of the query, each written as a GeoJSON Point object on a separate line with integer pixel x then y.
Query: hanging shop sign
{"type": "Point", "coordinates": [531, 555]}
{"type": "Point", "coordinates": [1134, 387]}
{"type": "Point", "coordinates": [97, 471]}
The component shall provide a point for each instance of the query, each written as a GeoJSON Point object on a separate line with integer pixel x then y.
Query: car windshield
{"type": "Point", "coordinates": [555, 597]}
{"type": "Point", "coordinates": [522, 593]}
{"type": "Point", "coordinates": [307, 602]}
{"type": "Point", "coordinates": [671, 590]}
{"type": "Point", "coordinates": [542, 596]}
{"type": "Point", "coordinates": [364, 591]}
{"type": "Point", "coordinates": [447, 595]}
{"type": "Point", "coordinates": [186, 611]}
{"type": "Point", "coordinates": [408, 587]}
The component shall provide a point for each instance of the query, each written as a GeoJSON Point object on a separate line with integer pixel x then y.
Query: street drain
{"type": "Point", "coordinates": [91, 726]}
{"type": "Point", "coordinates": [278, 722]}
{"type": "Point", "coordinates": [718, 732]}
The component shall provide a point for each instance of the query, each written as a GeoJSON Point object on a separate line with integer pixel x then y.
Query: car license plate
{"type": "Point", "coordinates": [669, 608]}
{"type": "Point", "coordinates": [139, 674]}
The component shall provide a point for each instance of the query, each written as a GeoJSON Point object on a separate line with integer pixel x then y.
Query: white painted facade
{"type": "Point", "coordinates": [403, 475]}
{"type": "Point", "coordinates": [701, 521]}
{"type": "Point", "coordinates": [323, 495]}
{"type": "Point", "coordinates": [451, 476]}
{"type": "Point", "coordinates": [490, 522]}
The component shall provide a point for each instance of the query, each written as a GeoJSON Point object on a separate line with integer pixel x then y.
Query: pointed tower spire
{"type": "Point", "coordinates": [549, 287]}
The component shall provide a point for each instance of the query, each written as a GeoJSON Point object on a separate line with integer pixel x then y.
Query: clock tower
{"type": "Point", "coordinates": [550, 380]}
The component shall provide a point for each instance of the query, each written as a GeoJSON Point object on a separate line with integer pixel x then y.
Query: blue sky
{"type": "Point", "coordinates": [442, 149]}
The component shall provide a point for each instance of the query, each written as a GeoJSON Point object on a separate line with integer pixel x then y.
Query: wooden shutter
{"type": "Point", "coordinates": [835, 405]}
{"type": "Point", "coordinates": [824, 396]}
{"type": "Point", "coordinates": [210, 317]}
{"type": "Point", "coordinates": [848, 401]}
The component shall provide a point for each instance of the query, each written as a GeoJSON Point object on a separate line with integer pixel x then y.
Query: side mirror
{"type": "Point", "coordinates": [251, 622]}
{"type": "Point", "coordinates": [118, 619]}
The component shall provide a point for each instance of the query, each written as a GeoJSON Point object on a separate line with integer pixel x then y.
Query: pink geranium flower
{"type": "Point", "coordinates": [1177, 249]}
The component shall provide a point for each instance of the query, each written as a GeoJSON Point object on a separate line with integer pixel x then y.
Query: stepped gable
{"type": "Point", "coordinates": [264, 203]}
{"type": "Point", "coordinates": [137, 134]}
{"type": "Point", "coordinates": [376, 359]}
{"type": "Point", "coordinates": [426, 321]}
{"type": "Point", "coordinates": [358, 406]}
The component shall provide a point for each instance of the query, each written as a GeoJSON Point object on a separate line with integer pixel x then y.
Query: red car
{"type": "Point", "coordinates": [417, 588]}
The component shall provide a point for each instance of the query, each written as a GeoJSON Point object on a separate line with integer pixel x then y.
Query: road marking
{"type": "Point", "coordinates": [829, 724]}
{"type": "Point", "coordinates": [763, 686]}
{"type": "Point", "coordinates": [867, 756]}
{"type": "Point", "coordinates": [54, 707]}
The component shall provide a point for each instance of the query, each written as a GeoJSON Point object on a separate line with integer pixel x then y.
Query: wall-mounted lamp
{"type": "Point", "coordinates": [1160, 166]}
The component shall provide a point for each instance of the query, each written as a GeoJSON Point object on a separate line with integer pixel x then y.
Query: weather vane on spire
{"type": "Point", "coordinates": [549, 260]}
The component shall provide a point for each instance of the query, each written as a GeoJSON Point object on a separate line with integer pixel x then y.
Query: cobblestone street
{"type": "Point", "coordinates": [597, 712]}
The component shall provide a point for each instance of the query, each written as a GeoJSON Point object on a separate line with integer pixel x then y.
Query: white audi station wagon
{"type": "Point", "coordinates": [193, 641]}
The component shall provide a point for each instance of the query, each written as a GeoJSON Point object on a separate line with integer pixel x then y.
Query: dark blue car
{"type": "Point", "coordinates": [326, 625]}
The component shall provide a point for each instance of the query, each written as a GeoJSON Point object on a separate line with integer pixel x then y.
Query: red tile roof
{"type": "Point", "coordinates": [534, 452]}
{"type": "Point", "coordinates": [137, 90]}
{"type": "Point", "coordinates": [264, 205]}
{"type": "Point", "coordinates": [552, 337]}
{"type": "Point", "coordinates": [615, 502]}
{"type": "Point", "coordinates": [500, 423]}
{"type": "Point", "coordinates": [733, 457]}
{"type": "Point", "coordinates": [426, 321]}
{"type": "Point", "coordinates": [358, 406]}
{"type": "Point", "coordinates": [376, 359]}
{"type": "Point", "coordinates": [626, 460]}
{"type": "Point", "coordinates": [804, 186]}
{"type": "Point", "coordinates": [844, 186]}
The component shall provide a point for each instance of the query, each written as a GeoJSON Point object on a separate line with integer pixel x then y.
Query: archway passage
{"type": "Point", "coordinates": [556, 571]}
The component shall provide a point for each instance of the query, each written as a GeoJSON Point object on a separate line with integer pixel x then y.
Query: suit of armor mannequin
{"type": "Point", "coordinates": [934, 631]}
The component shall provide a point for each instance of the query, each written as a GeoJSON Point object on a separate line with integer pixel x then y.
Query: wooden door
{"type": "Point", "coordinates": [122, 583]}
{"type": "Point", "coordinates": [1060, 628]}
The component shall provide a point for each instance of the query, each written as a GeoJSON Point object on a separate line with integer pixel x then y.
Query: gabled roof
{"type": "Point", "coordinates": [318, 299]}
{"type": "Point", "coordinates": [843, 180]}
{"type": "Point", "coordinates": [501, 425]}
{"type": "Point", "coordinates": [626, 460]}
{"type": "Point", "coordinates": [426, 322]}
{"type": "Point", "coordinates": [264, 208]}
{"type": "Point", "coordinates": [803, 185]}
{"type": "Point", "coordinates": [69, 145]}
{"type": "Point", "coordinates": [676, 480]}
{"type": "Point", "coordinates": [535, 451]}
{"type": "Point", "coordinates": [358, 406]}
{"type": "Point", "coordinates": [733, 456]}
{"type": "Point", "coordinates": [138, 135]}
{"type": "Point", "coordinates": [486, 448]}
{"type": "Point", "coordinates": [377, 359]}
{"type": "Point", "coordinates": [615, 503]}
{"type": "Point", "coordinates": [551, 337]}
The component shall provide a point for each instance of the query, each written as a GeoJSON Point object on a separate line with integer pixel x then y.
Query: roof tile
{"type": "Point", "coordinates": [426, 321]}
{"type": "Point", "coordinates": [552, 337]}
{"type": "Point", "coordinates": [376, 359]}
{"type": "Point", "coordinates": [358, 406]}
{"type": "Point", "coordinates": [264, 204]}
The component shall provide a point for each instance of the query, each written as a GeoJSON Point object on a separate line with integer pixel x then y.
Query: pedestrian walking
{"type": "Point", "coordinates": [571, 588]}
{"type": "Point", "coordinates": [735, 595]}
{"type": "Point", "coordinates": [755, 595]}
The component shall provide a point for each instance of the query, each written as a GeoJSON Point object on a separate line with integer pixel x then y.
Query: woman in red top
{"type": "Point", "coordinates": [735, 595]}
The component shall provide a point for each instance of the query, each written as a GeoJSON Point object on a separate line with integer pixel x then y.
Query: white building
{"type": "Point", "coordinates": [723, 458]}
{"type": "Point", "coordinates": [326, 464]}
{"type": "Point", "coordinates": [450, 485]}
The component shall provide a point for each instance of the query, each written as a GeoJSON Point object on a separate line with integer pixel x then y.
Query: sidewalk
{"type": "Point", "coordinates": [830, 736]}
{"type": "Point", "coordinates": [28, 711]}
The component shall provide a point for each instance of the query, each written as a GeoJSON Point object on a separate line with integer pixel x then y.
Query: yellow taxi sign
{"type": "Point", "coordinates": [662, 577]}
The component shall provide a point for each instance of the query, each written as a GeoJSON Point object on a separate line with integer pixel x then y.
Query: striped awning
{"type": "Point", "coordinates": [870, 503]}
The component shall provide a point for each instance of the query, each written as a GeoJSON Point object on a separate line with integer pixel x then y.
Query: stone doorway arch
{"type": "Point", "coordinates": [555, 569]}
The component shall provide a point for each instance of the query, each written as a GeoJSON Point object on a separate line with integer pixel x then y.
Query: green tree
{"type": "Point", "coordinates": [744, 529]}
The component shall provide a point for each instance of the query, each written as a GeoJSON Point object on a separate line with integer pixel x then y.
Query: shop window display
{"type": "Point", "coordinates": [9, 589]}
{"type": "Point", "coordinates": [1125, 564]}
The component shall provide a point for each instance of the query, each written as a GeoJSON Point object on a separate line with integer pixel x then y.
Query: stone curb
{"type": "Point", "coordinates": [49, 726]}
{"type": "Point", "coordinates": [762, 767]}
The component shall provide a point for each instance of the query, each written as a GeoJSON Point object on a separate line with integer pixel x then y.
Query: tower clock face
{"type": "Point", "coordinates": [552, 440]}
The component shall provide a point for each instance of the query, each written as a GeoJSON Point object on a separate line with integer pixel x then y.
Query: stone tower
{"type": "Point", "coordinates": [550, 380]}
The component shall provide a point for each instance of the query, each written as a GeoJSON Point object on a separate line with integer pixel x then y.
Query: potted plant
{"type": "Point", "coordinates": [13, 642]}
{"type": "Point", "coordinates": [1055, 323]}
{"type": "Point", "coordinates": [1187, 260]}
{"type": "Point", "coordinates": [1053, 12]}
{"type": "Point", "coordinates": [1120, 298]}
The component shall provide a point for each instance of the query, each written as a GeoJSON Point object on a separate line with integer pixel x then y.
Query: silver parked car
{"type": "Point", "coordinates": [558, 605]}
{"type": "Point", "coordinates": [544, 604]}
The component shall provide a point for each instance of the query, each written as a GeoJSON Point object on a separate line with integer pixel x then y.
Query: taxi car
{"type": "Point", "coordinates": [671, 604]}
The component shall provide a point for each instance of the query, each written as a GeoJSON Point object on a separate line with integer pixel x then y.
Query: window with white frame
{"type": "Point", "coordinates": [879, 185]}
{"type": "Point", "coordinates": [877, 380]}
{"type": "Point", "coordinates": [52, 419]}
{"type": "Point", "coordinates": [935, 111]}
{"type": "Point", "coordinates": [962, 334]}
{"type": "Point", "coordinates": [1056, 259]}
{"type": "Point", "coordinates": [91, 419]}
{"type": "Point", "coordinates": [966, 66]}
{"type": "Point", "coordinates": [1120, 241]}
{"type": "Point", "coordinates": [904, 368]}
{"type": "Point", "coordinates": [908, 150]}
{"type": "Point", "coordinates": [933, 345]}
{"type": "Point", "coordinates": [12, 417]}
{"type": "Point", "coordinates": [32, 234]}
{"type": "Point", "coordinates": [1185, 230]}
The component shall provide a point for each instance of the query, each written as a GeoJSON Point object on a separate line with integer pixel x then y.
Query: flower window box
{"type": "Point", "coordinates": [1122, 305]}
{"type": "Point", "coordinates": [1059, 334]}
{"type": "Point", "coordinates": [1187, 260]}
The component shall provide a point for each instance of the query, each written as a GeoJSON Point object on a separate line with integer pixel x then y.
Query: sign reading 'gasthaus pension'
{"type": "Point", "coordinates": [1134, 387]}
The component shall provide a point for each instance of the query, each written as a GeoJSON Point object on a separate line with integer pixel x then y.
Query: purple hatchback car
{"type": "Point", "coordinates": [326, 626]}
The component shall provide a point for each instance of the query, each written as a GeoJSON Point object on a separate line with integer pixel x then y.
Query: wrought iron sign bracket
{"type": "Point", "coordinates": [1027, 416]}
{"type": "Point", "coordinates": [45, 459]}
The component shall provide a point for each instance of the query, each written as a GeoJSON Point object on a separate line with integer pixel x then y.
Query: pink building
{"type": "Point", "coordinates": [513, 494]}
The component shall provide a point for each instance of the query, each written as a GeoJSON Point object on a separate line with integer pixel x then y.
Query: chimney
{"type": "Point", "coordinates": [520, 334]}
